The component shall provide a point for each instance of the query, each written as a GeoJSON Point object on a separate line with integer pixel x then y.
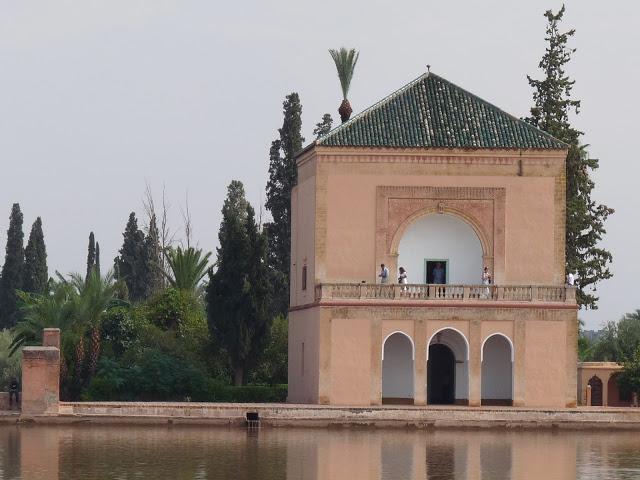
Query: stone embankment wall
{"type": "Point", "coordinates": [284, 415]}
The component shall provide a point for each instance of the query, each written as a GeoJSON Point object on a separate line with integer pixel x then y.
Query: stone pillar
{"type": "Point", "coordinates": [40, 380]}
{"type": "Point", "coordinates": [572, 361]}
{"type": "Point", "coordinates": [519, 378]}
{"type": "Point", "coordinates": [324, 346]}
{"type": "Point", "coordinates": [475, 364]}
{"type": "Point", "coordinates": [376, 361]}
{"type": "Point", "coordinates": [420, 364]}
{"type": "Point", "coordinates": [51, 337]}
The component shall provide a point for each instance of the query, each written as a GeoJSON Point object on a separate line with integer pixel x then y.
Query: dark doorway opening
{"type": "Point", "coordinates": [596, 391]}
{"type": "Point", "coordinates": [441, 375]}
{"type": "Point", "coordinates": [437, 271]}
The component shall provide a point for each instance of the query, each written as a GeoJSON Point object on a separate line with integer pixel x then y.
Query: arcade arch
{"type": "Point", "coordinates": [397, 369]}
{"type": "Point", "coordinates": [497, 370]}
{"type": "Point", "coordinates": [448, 367]}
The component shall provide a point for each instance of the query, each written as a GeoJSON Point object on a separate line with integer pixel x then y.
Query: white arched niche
{"type": "Point", "coordinates": [497, 370]}
{"type": "Point", "coordinates": [441, 237]}
{"type": "Point", "coordinates": [397, 368]}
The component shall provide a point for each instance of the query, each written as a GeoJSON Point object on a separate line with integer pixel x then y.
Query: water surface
{"type": "Point", "coordinates": [180, 452]}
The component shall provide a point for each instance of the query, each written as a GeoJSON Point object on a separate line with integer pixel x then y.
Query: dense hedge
{"type": "Point", "coordinates": [156, 376]}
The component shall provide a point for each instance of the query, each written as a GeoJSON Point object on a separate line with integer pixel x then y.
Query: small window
{"type": "Point", "coordinates": [304, 277]}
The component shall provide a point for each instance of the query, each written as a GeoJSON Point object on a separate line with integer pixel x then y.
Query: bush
{"type": "Point", "coordinates": [9, 366]}
{"type": "Point", "coordinates": [248, 393]}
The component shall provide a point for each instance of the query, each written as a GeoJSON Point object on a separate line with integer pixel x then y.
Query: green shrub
{"type": "Point", "coordinates": [9, 365]}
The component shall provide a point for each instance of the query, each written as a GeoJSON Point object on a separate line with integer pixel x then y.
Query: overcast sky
{"type": "Point", "coordinates": [99, 97]}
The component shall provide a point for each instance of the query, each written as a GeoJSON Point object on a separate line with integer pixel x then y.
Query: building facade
{"type": "Point", "coordinates": [439, 182]}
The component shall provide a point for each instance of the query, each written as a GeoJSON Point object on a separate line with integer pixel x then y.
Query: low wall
{"type": "Point", "coordinates": [280, 415]}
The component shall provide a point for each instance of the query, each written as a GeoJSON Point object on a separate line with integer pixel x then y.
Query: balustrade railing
{"type": "Point", "coordinates": [480, 293]}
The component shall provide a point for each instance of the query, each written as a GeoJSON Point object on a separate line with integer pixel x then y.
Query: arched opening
{"type": "Point", "coordinates": [497, 371]}
{"type": "Point", "coordinates": [441, 248]}
{"type": "Point", "coordinates": [616, 396]}
{"type": "Point", "coordinates": [596, 391]}
{"type": "Point", "coordinates": [447, 368]}
{"type": "Point", "coordinates": [397, 369]}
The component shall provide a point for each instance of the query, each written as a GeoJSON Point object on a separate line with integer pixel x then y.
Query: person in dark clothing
{"type": "Point", "coordinates": [14, 392]}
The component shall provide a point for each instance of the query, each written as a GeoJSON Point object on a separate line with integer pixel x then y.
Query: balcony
{"type": "Point", "coordinates": [419, 293]}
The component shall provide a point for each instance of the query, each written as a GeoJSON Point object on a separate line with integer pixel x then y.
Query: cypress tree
{"type": "Point", "coordinates": [153, 258]}
{"type": "Point", "coordinates": [130, 265]}
{"type": "Point", "coordinates": [91, 255]}
{"type": "Point", "coordinates": [283, 175]}
{"type": "Point", "coordinates": [584, 217]}
{"type": "Point", "coordinates": [12, 270]}
{"type": "Point", "coordinates": [324, 126]}
{"type": "Point", "coordinates": [238, 293]}
{"type": "Point", "coordinates": [36, 275]}
{"type": "Point", "coordinates": [97, 265]}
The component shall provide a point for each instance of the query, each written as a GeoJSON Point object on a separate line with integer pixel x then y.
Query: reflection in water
{"type": "Point", "coordinates": [106, 452]}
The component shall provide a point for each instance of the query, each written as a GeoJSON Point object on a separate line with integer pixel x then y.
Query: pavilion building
{"type": "Point", "coordinates": [431, 177]}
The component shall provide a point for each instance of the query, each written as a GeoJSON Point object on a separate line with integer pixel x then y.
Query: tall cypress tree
{"type": "Point", "coordinates": [91, 254]}
{"type": "Point", "coordinates": [97, 265]}
{"type": "Point", "coordinates": [36, 275]}
{"type": "Point", "coordinates": [12, 270]}
{"type": "Point", "coordinates": [283, 175]}
{"type": "Point", "coordinates": [238, 293]}
{"type": "Point", "coordinates": [130, 265]}
{"type": "Point", "coordinates": [153, 258]}
{"type": "Point", "coordinates": [584, 217]}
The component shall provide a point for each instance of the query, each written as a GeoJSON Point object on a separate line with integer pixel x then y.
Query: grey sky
{"type": "Point", "coordinates": [98, 97]}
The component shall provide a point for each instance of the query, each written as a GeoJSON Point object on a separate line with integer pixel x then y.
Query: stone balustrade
{"type": "Point", "coordinates": [432, 292]}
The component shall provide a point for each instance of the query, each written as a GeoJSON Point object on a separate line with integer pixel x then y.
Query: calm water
{"type": "Point", "coordinates": [90, 452]}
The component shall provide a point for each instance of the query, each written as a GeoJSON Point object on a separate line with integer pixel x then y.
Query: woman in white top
{"type": "Point", "coordinates": [402, 278]}
{"type": "Point", "coordinates": [486, 280]}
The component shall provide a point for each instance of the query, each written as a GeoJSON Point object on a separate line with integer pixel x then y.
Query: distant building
{"type": "Point", "coordinates": [442, 183]}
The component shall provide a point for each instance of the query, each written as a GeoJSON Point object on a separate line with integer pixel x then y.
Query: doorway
{"type": "Point", "coordinates": [441, 375]}
{"type": "Point", "coordinates": [437, 271]}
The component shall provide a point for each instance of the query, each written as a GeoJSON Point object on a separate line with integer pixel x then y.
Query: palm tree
{"type": "Point", "coordinates": [95, 295]}
{"type": "Point", "coordinates": [187, 267]}
{"type": "Point", "coordinates": [345, 61]}
{"type": "Point", "coordinates": [39, 311]}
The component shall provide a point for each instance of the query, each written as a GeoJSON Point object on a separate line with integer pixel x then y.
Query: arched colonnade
{"type": "Point", "coordinates": [447, 368]}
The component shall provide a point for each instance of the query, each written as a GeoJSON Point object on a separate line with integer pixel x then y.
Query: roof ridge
{"type": "Point", "coordinates": [377, 104]}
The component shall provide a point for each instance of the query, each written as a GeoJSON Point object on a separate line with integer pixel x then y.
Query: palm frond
{"type": "Point", "coordinates": [187, 267]}
{"type": "Point", "coordinates": [345, 61]}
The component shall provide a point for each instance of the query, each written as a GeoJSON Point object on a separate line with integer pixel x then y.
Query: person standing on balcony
{"type": "Point", "coordinates": [384, 273]}
{"type": "Point", "coordinates": [570, 279]}
{"type": "Point", "coordinates": [486, 280]}
{"type": "Point", "coordinates": [438, 274]}
{"type": "Point", "coordinates": [402, 278]}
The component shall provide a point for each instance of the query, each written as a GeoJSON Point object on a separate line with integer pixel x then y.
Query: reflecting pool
{"type": "Point", "coordinates": [181, 452]}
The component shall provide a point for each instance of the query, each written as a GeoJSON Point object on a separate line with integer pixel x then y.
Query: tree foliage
{"type": "Point", "coordinates": [345, 61]}
{"type": "Point", "coordinates": [585, 218]}
{"type": "Point", "coordinates": [91, 254]}
{"type": "Point", "coordinates": [283, 175]}
{"type": "Point", "coordinates": [36, 274]}
{"type": "Point", "coordinates": [239, 290]}
{"type": "Point", "coordinates": [12, 270]}
{"type": "Point", "coordinates": [618, 341]}
{"type": "Point", "coordinates": [323, 126]}
{"type": "Point", "coordinates": [187, 267]}
{"type": "Point", "coordinates": [132, 265]}
{"type": "Point", "coordinates": [154, 260]}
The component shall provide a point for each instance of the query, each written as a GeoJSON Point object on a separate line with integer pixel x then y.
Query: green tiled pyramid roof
{"type": "Point", "coordinates": [433, 112]}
